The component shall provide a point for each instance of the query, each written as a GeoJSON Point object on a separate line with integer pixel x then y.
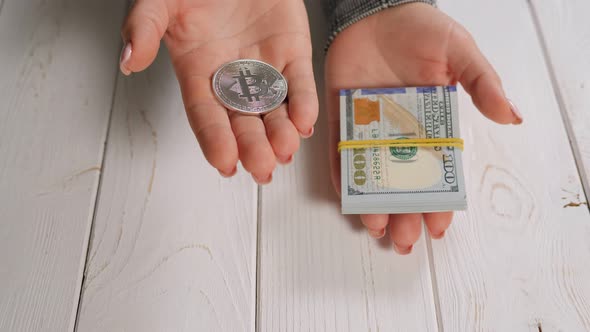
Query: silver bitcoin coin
{"type": "Point", "coordinates": [249, 86]}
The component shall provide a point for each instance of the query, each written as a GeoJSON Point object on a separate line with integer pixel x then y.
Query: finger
{"type": "Point", "coordinates": [479, 79]}
{"type": "Point", "coordinates": [404, 230]}
{"type": "Point", "coordinates": [142, 31]}
{"type": "Point", "coordinates": [332, 102]}
{"type": "Point", "coordinates": [375, 224]}
{"type": "Point", "coordinates": [254, 148]}
{"type": "Point", "coordinates": [215, 136]}
{"type": "Point", "coordinates": [282, 134]}
{"type": "Point", "coordinates": [437, 223]}
{"type": "Point", "coordinates": [303, 99]}
{"type": "Point", "coordinates": [210, 123]}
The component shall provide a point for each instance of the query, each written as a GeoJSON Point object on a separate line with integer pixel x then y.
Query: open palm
{"type": "Point", "coordinates": [201, 35]}
{"type": "Point", "coordinates": [409, 45]}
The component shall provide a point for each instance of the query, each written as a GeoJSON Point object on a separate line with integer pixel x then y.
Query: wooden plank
{"type": "Point", "coordinates": [57, 69]}
{"type": "Point", "coordinates": [566, 34]}
{"type": "Point", "coordinates": [173, 245]}
{"type": "Point", "coordinates": [319, 270]}
{"type": "Point", "coordinates": [517, 260]}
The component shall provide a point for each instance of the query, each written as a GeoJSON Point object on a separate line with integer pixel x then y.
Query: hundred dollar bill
{"type": "Point", "coordinates": [400, 179]}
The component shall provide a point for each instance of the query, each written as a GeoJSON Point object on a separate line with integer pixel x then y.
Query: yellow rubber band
{"type": "Point", "coordinates": [407, 143]}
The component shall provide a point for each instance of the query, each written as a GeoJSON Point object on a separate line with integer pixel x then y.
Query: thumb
{"type": "Point", "coordinates": [142, 31]}
{"type": "Point", "coordinates": [479, 79]}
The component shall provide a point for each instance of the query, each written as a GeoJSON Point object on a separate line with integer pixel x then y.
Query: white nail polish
{"type": "Point", "coordinates": [124, 58]}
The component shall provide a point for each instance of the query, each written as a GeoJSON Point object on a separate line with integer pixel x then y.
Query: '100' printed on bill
{"type": "Point", "coordinates": [400, 179]}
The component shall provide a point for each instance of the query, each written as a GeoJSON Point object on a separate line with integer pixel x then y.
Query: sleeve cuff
{"type": "Point", "coordinates": [347, 12]}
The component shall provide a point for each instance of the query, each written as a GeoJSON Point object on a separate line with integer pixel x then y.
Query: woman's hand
{"type": "Point", "coordinates": [201, 35]}
{"type": "Point", "coordinates": [410, 45]}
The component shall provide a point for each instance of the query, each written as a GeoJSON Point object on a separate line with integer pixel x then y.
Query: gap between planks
{"type": "Point", "coordinates": [257, 260]}
{"type": "Point", "coordinates": [574, 147]}
{"type": "Point", "coordinates": [100, 178]}
{"type": "Point", "coordinates": [433, 279]}
{"type": "Point", "coordinates": [97, 197]}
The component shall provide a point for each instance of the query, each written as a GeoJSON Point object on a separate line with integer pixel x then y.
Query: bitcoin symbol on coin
{"type": "Point", "coordinates": [252, 85]}
{"type": "Point", "coordinates": [249, 86]}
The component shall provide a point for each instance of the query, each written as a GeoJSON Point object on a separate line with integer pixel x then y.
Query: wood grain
{"type": "Point", "coordinates": [173, 245]}
{"type": "Point", "coordinates": [319, 270]}
{"type": "Point", "coordinates": [57, 69]}
{"type": "Point", "coordinates": [566, 35]}
{"type": "Point", "coordinates": [517, 259]}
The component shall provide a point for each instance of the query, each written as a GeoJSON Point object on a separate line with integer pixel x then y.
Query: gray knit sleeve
{"type": "Point", "coordinates": [344, 13]}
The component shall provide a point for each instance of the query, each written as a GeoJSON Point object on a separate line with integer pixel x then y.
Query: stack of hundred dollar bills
{"type": "Point", "coordinates": [400, 179]}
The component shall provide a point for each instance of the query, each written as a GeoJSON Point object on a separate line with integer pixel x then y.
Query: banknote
{"type": "Point", "coordinates": [401, 179]}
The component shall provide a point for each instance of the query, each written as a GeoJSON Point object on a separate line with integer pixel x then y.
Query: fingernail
{"type": "Point", "coordinates": [309, 134]}
{"type": "Point", "coordinates": [377, 234]}
{"type": "Point", "coordinates": [262, 181]}
{"type": "Point", "coordinates": [516, 113]}
{"type": "Point", "coordinates": [402, 251]}
{"type": "Point", "coordinates": [438, 236]}
{"type": "Point", "coordinates": [230, 174]}
{"type": "Point", "coordinates": [124, 58]}
{"type": "Point", "coordinates": [285, 160]}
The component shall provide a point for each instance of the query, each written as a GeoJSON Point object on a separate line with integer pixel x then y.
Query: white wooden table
{"type": "Point", "coordinates": [112, 220]}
